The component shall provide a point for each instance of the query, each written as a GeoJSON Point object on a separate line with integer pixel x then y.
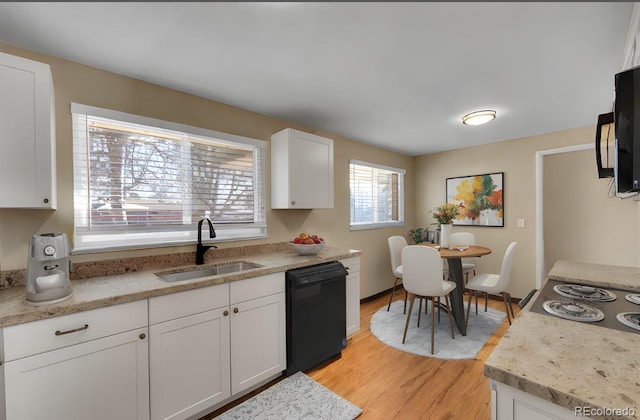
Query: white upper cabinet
{"type": "Point", "coordinates": [301, 170]}
{"type": "Point", "coordinates": [27, 134]}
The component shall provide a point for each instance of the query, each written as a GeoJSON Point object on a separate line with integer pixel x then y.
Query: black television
{"type": "Point", "coordinates": [627, 131]}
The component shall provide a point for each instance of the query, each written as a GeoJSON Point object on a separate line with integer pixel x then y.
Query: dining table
{"type": "Point", "coordinates": [454, 255]}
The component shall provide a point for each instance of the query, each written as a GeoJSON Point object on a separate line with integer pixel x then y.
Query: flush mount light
{"type": "Point", "coordinates": [479, 117]}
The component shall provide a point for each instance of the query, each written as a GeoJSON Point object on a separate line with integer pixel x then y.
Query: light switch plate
{"type": "Point", "coordinates": [520, 222]}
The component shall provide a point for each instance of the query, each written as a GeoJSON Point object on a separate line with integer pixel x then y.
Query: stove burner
{"type": "Point", "coordinates": [588, 293]}
{"type": "Point", "coordinates": [630, 319]}
{"type": "Point", "coordinates": [573, 311]}
{"type": "Point", "coordinates": [633, 298]}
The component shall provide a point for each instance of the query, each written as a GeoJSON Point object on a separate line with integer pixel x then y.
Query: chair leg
{"type": "Point", "coordinates": [420, 309]}
{"type": "Point", "coordinates": [475, 292]}
{"type": "Point", "coordinates": [393, 289]}
{"type": "Point", "coordinates": [446, 298]}
{"type": "Point", "coordinates": [406, 325]}
{"type": "Point", "coordinates": [486, 298]}
{"type": "Point", "coordinates": [406, 294]}
{"type": "Point", "coordinates": [438, 309]}
{"type": "Point", "coordinates": [433, 324]}
{"type": "Point", "coordinates": [466, 319]}
{"type": "Point", "coordinates": [506, 306]}
{"type": "Point", "coordinates": [513, 315]}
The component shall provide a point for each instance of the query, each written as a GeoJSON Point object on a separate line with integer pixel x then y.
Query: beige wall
{"type": "Point", "coordinates": [425, 184]}
{"type": "Point", "coordinates": [517, 159]}
{"type": "Point", "coordinates": [580, 222]}
{"type": "Point", "coordinates": [78, 83]}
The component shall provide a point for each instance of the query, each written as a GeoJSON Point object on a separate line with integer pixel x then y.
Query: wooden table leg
{"type": "Point", "coordinates": [457, 305]}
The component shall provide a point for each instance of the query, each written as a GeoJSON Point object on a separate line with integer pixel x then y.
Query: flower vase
{"type": "Point", "coordinates": [445, 235]}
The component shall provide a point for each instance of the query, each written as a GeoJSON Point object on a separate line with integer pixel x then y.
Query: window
{"type": "Point", "coordinates": [142, 182]}
{"type": "Point", "coordinates": [376, 195]}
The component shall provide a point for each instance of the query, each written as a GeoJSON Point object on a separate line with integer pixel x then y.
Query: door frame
{"type": "Point", "coordinates": [540, 274]}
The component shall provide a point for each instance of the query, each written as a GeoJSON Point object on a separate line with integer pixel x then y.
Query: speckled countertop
{"type": "Point", "coordinates": [571, 363]}
{"type": "Point", "coordinates": [142, 283]}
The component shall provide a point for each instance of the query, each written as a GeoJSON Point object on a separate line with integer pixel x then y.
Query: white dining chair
{"type": "Point", "coordinates": [494, 284]}
{"type": "Point", "coordinates": [396, 245]}
{"type": "Point", "coordinates": [469, 263]}
{"type": "Point", "coordinates": [422, 278]}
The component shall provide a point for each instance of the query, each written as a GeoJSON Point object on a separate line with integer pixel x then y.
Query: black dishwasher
{"type": "Point", "coordinates": [316, 315]}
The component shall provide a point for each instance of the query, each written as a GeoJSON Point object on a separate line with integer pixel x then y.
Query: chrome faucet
{"type": "Point", "coordinates": [201, 249]}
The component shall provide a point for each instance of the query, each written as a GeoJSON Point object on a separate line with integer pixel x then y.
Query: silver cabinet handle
{"type": "Point", "coordinates": [86, 326]}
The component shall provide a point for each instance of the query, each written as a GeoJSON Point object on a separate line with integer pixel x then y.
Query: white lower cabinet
{"type": "Point", "coordinates": [509, 403]}
{"type": "Point", "coordinates": [353, 294]}
{"type": "Point", "coordinates": [87, 365]}
{"type": "Point", "coordinates": [169, 357]}
{"type": "Point", "coordinates": [209, 345]}
{"type": "Point", "coordinates": [258, 331]}
{"type": "Point", "coordinates": [189, 355]}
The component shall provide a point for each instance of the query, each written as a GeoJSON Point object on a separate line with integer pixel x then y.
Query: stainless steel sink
{"type": "Point", "coordinates": [217, 270]}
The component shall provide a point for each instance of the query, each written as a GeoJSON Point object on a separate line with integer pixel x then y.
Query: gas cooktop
{"type": "Point", "coordinates": [604, 307]}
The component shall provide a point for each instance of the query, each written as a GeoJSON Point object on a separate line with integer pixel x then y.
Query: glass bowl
{"type": "Point", "coordinates": [307, 249]}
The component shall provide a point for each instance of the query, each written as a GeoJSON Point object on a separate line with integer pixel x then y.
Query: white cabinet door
{"type": "Point", "coordinates": [258, 341]}
{"type": "Point", "coordinates": [189, 359]}
{"type": "Point", "coordinates": [513, 404]}
{"type": "Point", "coordinates": [102, 379]}
{"type": "Point", "coordinates": [27, 135]}
{"type": "Point", "coordinates": [301, 170]}
{"type": "Point", "coordinates": [353, 294]}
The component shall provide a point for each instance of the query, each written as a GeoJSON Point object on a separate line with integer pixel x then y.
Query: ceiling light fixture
{"type": "Point", "coordinates": [479, 117]}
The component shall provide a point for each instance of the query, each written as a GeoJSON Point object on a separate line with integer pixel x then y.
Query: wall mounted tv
{"type": "Point", "coordinates": [627, 131]}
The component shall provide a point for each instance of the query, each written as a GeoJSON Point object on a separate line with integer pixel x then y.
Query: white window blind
{"type": "Point", "coordinates": [376, 195]}
{"type": "Point", "coordinates": [142, 182]}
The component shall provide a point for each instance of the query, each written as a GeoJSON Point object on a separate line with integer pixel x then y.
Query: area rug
{"type": "Point", "coordinates": [388, 327]}
{"type": "Point", "coordinates": [297, 397]}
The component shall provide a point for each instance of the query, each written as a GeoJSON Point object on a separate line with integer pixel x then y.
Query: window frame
{"type": "Point", "coordinates": [123, 238]}
{"type": "Point", "coordinates": [401, 195]}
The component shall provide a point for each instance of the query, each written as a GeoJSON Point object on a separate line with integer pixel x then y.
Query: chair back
{"type": "Point", "coordinates": [507, 266]}
{"type": "Point", "coordinates": [464, 238]}
{"type": "Point", "coordinates": [422, 270]}
{"type": "Point", "coordinates": [396, 244]}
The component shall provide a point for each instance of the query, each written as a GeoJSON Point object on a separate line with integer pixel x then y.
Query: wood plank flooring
{"type": "Point", "coordinates": [389, 384]}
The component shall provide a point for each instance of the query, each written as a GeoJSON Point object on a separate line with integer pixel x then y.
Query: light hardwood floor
{"type": "Point", "coordinates": [389, 384]}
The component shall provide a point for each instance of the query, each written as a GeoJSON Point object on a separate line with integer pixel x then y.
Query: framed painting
{"type": "Point", "coordinates": [479, 198]}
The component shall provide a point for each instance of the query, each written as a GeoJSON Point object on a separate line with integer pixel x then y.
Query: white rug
{"type": "Point", "coordinates": [297, 397]}
{"type": "Point", "coordinates": [388, 327]}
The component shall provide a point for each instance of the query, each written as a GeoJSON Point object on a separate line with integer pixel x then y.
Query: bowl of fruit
{"type": "Point", "coordinates": [305, 244]}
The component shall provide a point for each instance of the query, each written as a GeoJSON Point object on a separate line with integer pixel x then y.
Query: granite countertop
{"type": "Point", "coordinates": [106, 290]}
{"type": "Point", "coordinates": [571, 363]}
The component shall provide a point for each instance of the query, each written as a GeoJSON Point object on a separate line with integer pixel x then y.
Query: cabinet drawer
{"type": "Point", "coordinates": [55, 333]}
{"type": "Point", "coordinates": [256, 287]}
{"type": "Point", "coordinates": [103, 379]}
{"type": "Point", "coordinates": [351, 264]}
{"type": "Point", "coordinates": [177, 305]}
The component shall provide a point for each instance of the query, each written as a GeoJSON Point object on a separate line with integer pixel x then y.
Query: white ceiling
{"type": "Point", "coordinates": [395, 75]}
